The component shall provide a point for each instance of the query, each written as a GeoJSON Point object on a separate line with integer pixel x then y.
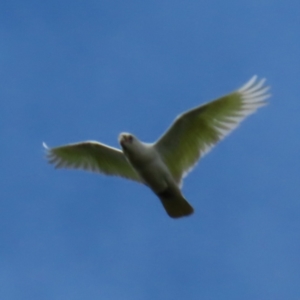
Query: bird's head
{"type": "Point", "coordinates": [133, 149]}
{"type": "Point", "coordinates": [126, 140]}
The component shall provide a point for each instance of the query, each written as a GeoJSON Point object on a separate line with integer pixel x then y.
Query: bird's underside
{"type": "Point", "coordinates": [163, 164]}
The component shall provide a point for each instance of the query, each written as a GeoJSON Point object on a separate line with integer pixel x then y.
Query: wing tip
{"type": "Point", "coordinates": [45, 146]}
{"type": "Point", "coordinates": [255, 93]}
{"type": "Point", "coordinates": [50, 156]}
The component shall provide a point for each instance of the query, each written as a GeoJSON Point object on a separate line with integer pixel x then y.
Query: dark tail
{"type": "Point", "coordinates": [175, 205]}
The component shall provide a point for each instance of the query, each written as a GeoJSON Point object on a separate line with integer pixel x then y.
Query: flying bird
{"type": "Point", "coordinates": [162, 165]}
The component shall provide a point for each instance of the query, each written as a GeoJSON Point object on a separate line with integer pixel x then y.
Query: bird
{"type": "Point", "coordinates": [162, 165]}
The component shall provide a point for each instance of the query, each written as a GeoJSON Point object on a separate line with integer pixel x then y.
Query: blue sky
{"type": "Point", "coordinates": [79, 70]}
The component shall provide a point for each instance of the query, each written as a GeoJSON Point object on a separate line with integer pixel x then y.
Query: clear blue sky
{"type": "Point", "coordinates": [79, 70]}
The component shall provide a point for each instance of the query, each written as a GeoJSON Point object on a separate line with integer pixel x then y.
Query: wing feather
{"type": "Point", "coordinates": [196, 131]}
{"type": "Point", "coordinates": [92, 156]}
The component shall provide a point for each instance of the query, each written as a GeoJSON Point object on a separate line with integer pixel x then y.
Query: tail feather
{"type": "Point", "coordinates": [175, 204]}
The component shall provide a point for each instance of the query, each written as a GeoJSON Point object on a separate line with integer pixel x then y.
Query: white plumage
{"type": "Point", "coordinates": [162, 165]}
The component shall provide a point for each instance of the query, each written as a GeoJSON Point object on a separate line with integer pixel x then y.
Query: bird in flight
{"type": "Point", "coordinates": [162, 165]}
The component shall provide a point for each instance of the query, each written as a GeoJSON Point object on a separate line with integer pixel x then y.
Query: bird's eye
{"type": "Point", "coordinates": [130, 138]}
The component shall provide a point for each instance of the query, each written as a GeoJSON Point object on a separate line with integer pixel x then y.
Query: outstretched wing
{"type": "Point", "coordinates": [196, 131]}
{"type": "Point", "coordinates": [92, 156]}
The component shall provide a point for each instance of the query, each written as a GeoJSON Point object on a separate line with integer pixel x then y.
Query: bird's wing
{"type": "Point", "coordinates": [196, 131]}
{"type": "Point", "coordinates": [92, 156]}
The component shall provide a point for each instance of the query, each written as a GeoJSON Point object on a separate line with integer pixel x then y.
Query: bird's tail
{"type": "Point", "coordinates": [175, 204]}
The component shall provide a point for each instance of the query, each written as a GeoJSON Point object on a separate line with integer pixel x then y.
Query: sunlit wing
{"type": "Point", "coordinates": [92, 156]}
{"type": "Point", "coordinates": [196, 131]}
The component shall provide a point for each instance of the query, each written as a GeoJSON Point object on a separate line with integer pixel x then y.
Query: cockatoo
{"type": "Point", "coordinates": [162, 165]}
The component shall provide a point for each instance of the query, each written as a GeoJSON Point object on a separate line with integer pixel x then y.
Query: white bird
{"type": "Point", "coordinates": [162, 165]}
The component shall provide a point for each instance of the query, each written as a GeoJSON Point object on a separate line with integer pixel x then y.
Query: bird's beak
{"type": "Point", "coordinates": [123, 140]}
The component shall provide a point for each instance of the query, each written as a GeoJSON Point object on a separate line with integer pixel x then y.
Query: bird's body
{"type": "Point", "coordinates": [147, 162]}
{"type": "Point", "coordinates": [162, 165]}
